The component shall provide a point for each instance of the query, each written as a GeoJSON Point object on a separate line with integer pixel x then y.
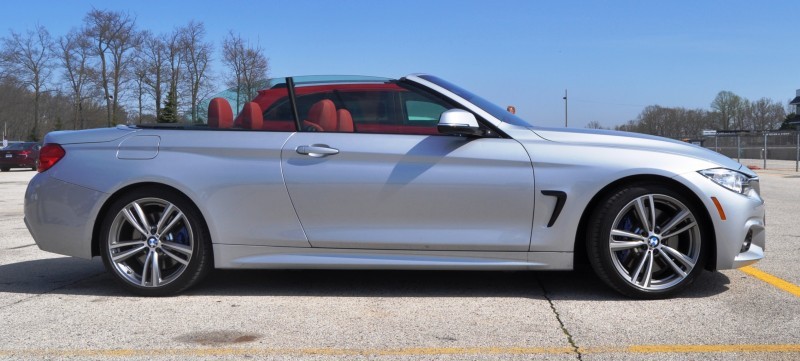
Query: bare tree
{"type": "Point", "coordinates": [29, 57]}
{"type": "Point", "coordinates": [670, 122]}
{"type": "Point", "coordinates": [694, 121]}
{"type": "Point", "coordinates": [766, 114]}
{"type": "Point", "coordinates": [233, 52]}
{"type": "Point", "coordinates": [74, 52]}
{"type": "Point", "coordinates": [255, 69]}
{"type": "Point", "coordinates": [114, 37]}
{"type": "Point", "coordinates": [729, 107]}
{"type": "Point", "coordinates": [652, 120]}
{"type": "Point", "coordinates": [139, 72]}
{"type": "Point", "coordinates": [174, 59]}
{"type": "Point", "coordinates": [248, 66]}
{"type": "Point", "coordinates": [741, 115]}
{"type": "Point", "coordinates": [197, 54]}
{"type": "Point", "coordinates": [154, 55]}
{"type": "Point", "coordinates": [122, 48]}
{"type": "Point", "coordinates": [15, 107]}
{"type": "Point", "coordinates": [594, 125]}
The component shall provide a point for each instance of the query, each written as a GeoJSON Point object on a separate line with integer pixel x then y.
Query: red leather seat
{"type": "Point", "coordinates": [345, 121]}
{"type": "Point", "coordinates": [251, 116]}
{"type": "Point", "coordinates": [323, 114]}
{"type": "Point", "coordinates": [220, 114]}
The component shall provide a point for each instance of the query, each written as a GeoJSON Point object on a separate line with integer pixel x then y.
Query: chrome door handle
{"type": "Point", "coordinates": [316, 150]}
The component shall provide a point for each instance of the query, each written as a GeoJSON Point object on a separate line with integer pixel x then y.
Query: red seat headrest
{"type": "Point", "coordinates": [323, 113]}
{"type": "Point", "coordinates": [220, 114]}
{"type": "Point", "coordinates": [345, 121]}
{"type": "Point", "coordinates": [251, 116]}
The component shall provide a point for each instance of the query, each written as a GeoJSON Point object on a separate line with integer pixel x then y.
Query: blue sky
{"type": "Point", "coordinates": [615, 57]}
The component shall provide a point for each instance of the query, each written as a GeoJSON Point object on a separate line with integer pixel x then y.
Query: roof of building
{"type": "Point", "coordinates": [795, 101]}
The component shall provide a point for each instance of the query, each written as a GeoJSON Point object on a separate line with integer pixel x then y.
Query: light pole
{"type": "Point", "coordinates": [565, 109]}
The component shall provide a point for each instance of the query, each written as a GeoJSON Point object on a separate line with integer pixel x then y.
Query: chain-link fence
{"type": "Point", "coordinates": [779, 150]}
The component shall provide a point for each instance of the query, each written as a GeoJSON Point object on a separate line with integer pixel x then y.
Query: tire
{"type": "Point", "coordinates": [174, 238]}
{"type": "Point", "coordinates": [4, 169]}
{"type": "Point", "coordinates": [644, 261]}
{"type": "Point", "coordinates": [35, 166]}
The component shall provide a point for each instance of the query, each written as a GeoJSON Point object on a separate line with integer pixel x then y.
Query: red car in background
{"type": "Point", "coordinates": [20, 155]}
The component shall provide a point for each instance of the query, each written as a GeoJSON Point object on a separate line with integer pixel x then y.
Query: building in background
{"type": "Point", "coordinates": [796, 102]}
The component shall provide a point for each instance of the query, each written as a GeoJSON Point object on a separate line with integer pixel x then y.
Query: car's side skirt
{"type": "Point", "coordinates": [264, 257]}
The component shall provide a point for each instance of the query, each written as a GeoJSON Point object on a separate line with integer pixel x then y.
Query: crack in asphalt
{"type": "Point", "coordinates": [52, 290]}
{"type": "Point", "coordinates": [27, 245]}
{"type": "Point", "coordinates": [564, 329]}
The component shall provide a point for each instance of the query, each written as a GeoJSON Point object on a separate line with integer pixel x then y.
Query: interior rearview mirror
{"type": "Point", "coordinates": [460, 122]}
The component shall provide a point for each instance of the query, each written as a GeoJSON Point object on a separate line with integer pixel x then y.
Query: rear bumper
{"type": "Point", "coordinates": [17, 162]}
{"type": "Point", "coordinates": [60, 216]}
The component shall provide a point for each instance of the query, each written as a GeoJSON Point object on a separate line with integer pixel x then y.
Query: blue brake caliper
{"type": "Point", "coordinates": [182, 236]}
{"type": "Point", "coordinates": [627, 225]}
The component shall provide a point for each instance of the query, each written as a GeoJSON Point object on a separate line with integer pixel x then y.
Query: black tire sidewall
{"type": "Point", "coordinates": [599, 227]}
{"type": "Point", "coordinates": [201, 261]}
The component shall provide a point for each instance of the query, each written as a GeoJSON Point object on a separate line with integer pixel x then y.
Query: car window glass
{"type": "Point", "coordinates": [422, 110]}
{"type": "Point", "coordinates": [383, 108]}
{"type": "Point", "coordinates": [376, 107]}
{"type": "Point", "coordinates": [282, 109]}
{"type": "Point", "coordinates": [276, 110]}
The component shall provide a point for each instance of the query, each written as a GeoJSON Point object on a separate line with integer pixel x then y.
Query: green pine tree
{"type": "Point", "coordinates": [169, 113]}
{"type": "Point", "coordinates": [789, 121]}
{"type": "Point", "coordinates": [59, 125]}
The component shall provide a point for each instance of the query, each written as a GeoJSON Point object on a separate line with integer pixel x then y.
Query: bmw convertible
{"type": "Point", "coordinates": [330, 172]}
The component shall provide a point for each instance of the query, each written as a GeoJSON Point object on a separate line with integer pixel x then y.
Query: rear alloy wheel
{"type": "Point", "coordinates": [155, 243]}
{"type": "Point", "coordinates": [646, 241]}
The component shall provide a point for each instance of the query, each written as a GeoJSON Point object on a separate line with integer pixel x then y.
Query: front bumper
{"type": "Point", "coordinates": [743, 214]}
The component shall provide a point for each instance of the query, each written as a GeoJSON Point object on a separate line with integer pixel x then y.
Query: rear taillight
{"type": "Point", "coordinates": [25, 152]}
{"type": "Point", "coordinates": [49, 155]}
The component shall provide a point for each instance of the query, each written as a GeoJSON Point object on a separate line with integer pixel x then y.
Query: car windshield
{"type": "Point", "coordinates": [15, 146]}
{"type": "Point", "coordinates": [489, 107]}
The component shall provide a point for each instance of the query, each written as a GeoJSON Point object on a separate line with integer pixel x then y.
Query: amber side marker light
{"type": "Point", "coordinates": [719, 208]}
{"type": "Point", "coordinates": [49, 155]}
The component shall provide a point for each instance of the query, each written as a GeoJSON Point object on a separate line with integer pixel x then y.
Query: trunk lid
{"type": "Point", "coordinates": [101, 135]}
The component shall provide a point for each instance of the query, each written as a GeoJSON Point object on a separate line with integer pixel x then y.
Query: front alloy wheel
{"type": "Point", "coordinates": [155, 243]}
{"type": "Point", "coordinates": [646, 241]}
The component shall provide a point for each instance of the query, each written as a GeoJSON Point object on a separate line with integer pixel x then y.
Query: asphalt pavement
{"type": "Point", "coordinates": [54, 307]}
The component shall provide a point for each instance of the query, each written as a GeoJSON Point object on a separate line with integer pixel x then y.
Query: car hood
{"type": "Point", "coordinates": [625, 140]}
{"type": "Point", "coordinates": [100, 135]}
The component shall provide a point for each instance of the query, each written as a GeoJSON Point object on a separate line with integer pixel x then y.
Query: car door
{"type": "Point", "coordinates": [408, 191]}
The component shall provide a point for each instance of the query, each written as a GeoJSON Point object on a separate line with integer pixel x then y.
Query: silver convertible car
{"type": "Point", "coordinates": [375, 173]}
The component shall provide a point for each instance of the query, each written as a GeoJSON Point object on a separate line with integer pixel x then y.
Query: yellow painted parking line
{"type": "Point", "coordinates": [712, 348]}
{"type": "Point", "coordinates": [775, 281]}
{"type": "Point", "coordinates": [413, 351]}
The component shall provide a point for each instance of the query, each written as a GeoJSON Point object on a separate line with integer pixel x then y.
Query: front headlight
{"type": "Point", "coordinates": [731, 179]}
